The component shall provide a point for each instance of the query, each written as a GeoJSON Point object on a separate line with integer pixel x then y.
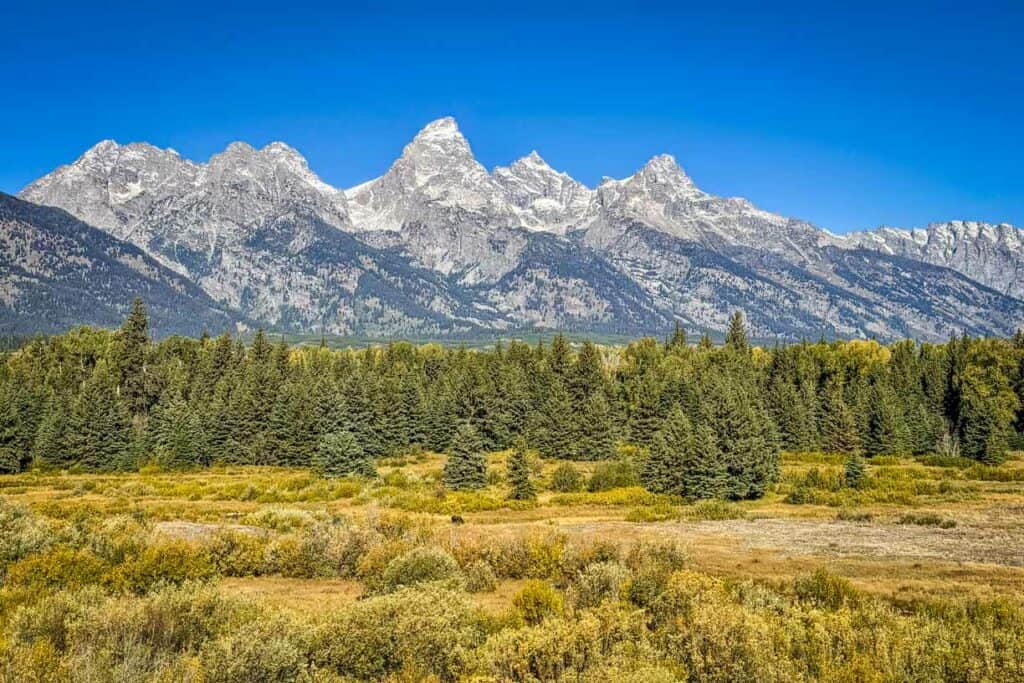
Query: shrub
{"type": "Point", "coordinates": [536, 601]}
{"type": "Point", "coordinates": [419, 565]}
{"type": "Point", "coordinates": [265, 650]}
{"type": "Point", "coordinates": [851, 515]}
{"type": "Point", "coordinates": [659, 512]}
{"type": "Point", "coordinates": [60, 568]}
{"type": "Point", "coordinates": [480, 578]}
{"type": "Point", "coordinates": [21, 534]}
{"type": "Point", "coordinates": [714, 511]}
{"type": "Point", "coordinates": [927, 519]}
{"type": "Point", "coordinates": [826, 590]}
{"type": "Point", "coordinates": [173, 562]}
{"type": "Point", "coordinates": [597, 583]}
{"type": "Point", "coordinates": [235, 553]}
{"type": "Point", "coordinates": [435, 628]}
{"type": "Point", "coordinates": [612, 475]}
{"type": "Point", "coordinates": [566, 479]}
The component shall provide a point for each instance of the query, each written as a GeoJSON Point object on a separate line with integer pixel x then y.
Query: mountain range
{"type": "Point", "coordinates": [438, 245]}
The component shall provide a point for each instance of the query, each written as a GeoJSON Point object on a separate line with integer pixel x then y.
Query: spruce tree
{"type": "Point", "coordinates": [176, 433]}
{"type": "Point", "coordinates": [554, 433]}
{"type": "Point", "coordinates": [886, 430]}
{"type": "Point", "coordinates": [134, 342]}
{"type": "Point", "coordinates": [465, 468]}
{"type": "Point", "coordinates": [596, 429]}
{"type": "Point", "coordinates": [838, 426]}
{"type": "Point", "coordinates": [51, 444]}
{"type": "Point", "coordinates": [519, 473]}
{"type": "Point", "coordinates": [855, 471]}
{"type": "Point", "coordinates": [338, 454]}
{"type": "Point", "coordinates": [736, 336]}
{"type": "Point", "coordinates": [99, 429]}
{"type": "Point", "coordinates": [705, 474]}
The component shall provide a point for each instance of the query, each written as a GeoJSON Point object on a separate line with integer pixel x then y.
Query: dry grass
{"type": "Point", "coordinates": [773, 541]}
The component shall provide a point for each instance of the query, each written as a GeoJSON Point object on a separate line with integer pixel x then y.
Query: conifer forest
{"type": "Point", "coordinates": [231, 510]}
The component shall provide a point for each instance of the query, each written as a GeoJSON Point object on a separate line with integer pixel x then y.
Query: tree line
{"type": "Point", "coordinates": [706, 420]}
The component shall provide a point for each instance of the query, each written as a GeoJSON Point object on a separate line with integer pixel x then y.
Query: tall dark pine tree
{"type": "Point", "coordinates": [99, 429]}
{"type": "Point", "coordinates": [839, 433]}
{"type": "Point", "coordinates": [466, 467]}
{"type": "Point", "coordinates": [131, 361]}
{"type": "Point", "coordinates": [736, 336]}
{"type": "Point", "coordinates": [596, 429]}
{"type": "Point", "coordinates": [519, 473]}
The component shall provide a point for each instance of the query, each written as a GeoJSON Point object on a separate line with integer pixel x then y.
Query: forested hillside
{"type": "Point", "coordinates": [696, 420]}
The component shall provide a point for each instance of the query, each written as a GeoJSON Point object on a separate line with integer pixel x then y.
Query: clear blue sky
{"type": "Point", "coordinates": [848, 117]}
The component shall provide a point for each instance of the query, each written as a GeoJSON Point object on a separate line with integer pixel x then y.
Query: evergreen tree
{"type": "Point", "coordinates": [99, 428]}
{"type": "Point", "coordinates": [176, 433]}
{"type": "Point", "coordinates": [465, 467]}
{"type": "Point", "coordinates": [736, 336]}
{"type": "Point", "coordinates": [839, 432]}
{"type": "Point", "coordinates": [596, 430]}
{"type": "Point", "coordinates": [646, 410]}
{"type": "Point", "coordinates": [554, 432]}
{"type": "Point", "coordinates": [987, 410]}
{"type": "Point", "coordinates": [519, 473]}
{"type": "Point", "coordinates": [677, 340]}
{"type": "Point", "coordinates": [134, 343]}
{"type": "Point", "coordinates": [855, 471]}
{"type": "Point", "coordinates": [51, 444]}
{"type": "Point", "coordinates": [886, 430]}
{"type": "Point", "coordinates": [338, 454]}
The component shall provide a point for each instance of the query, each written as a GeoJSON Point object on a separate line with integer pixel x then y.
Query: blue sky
{"type": "Point", "coordinates": [846, 114]}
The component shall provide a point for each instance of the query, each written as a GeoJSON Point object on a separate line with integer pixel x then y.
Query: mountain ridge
{"type": "Point", "coordinates": [525, 245]}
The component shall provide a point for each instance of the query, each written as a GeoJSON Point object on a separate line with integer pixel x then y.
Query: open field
{"type": "Point", "coordinates": [921, 536]}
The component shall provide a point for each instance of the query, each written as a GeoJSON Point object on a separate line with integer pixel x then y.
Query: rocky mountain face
{"type": "Point", "coordinates": [56, 272]}
{"type": "Point", "coordinates": [991, 254]}
{"type": "Point", "coordinates": [439, 245]}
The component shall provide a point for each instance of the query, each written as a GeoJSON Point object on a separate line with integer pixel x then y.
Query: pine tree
{"type": "Point", "coordinates": [678, 339]}
{"type": "Point", "coordinates": [645, 410]}
{"type": "Point", "coordinates": [886, 431]}
{"type": "Point", "coordinates": [662, 471]}
{"type": "Point", "coordinates": [987, 410]}
{"type": "Point", "coordinates": [134, 342]}
{"type": "Point", "coordinates": [736, 336]}
{"type": "Point", "coordinates": [519, 473]}
{"type": "Point", "coordinates": [176, 433]}
{"type": "Point", "coordinates": [855, 471]}
{"type": "Point", "coordinates": [338, 454]}
{"type": "Point", "coordinates": [51, 444]}
{"type": "Point", "coordinates": [99, 429]}
{"type": "Point", "coordinates": [838, 426]}
{"type": "Point", "coordinates": [596, 430]}
{"type": "Point", "coordinates": [554, 431]}
{"type": "Point", "coordinates": [705, 473]}
{"type": "Point", "coordinates": [466, 467]}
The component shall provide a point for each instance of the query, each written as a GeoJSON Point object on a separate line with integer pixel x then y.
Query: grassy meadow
{"type": "Point", "coordinates": [273, 574]}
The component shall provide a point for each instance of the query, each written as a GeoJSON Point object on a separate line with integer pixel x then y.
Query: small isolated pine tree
{"type": "Point", "coordinates": [856, 471]}
{"type": "Point", "coordinates": [339, 455]}
{"type": "Point", "coordinates": [466, 467]}
{"type": "Point", "coordinates": [519, 473]}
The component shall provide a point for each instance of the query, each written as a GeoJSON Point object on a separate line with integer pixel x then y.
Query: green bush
{"type": "Point", "coordinates": [436, 629]}
{"type": "Point", "coordinates": [536, 601]}
{"type": "Point", "coordinates": [597, 583]}
{"type": "Point", "coordinates": [419, 565]}
{"type": "Point", "coordinates": [480, 578]}
{"type": "Point", "coordinates": [927, 519]}
{"type": "Point", "coordinates": [265, 650]}
{"type": "Point", "coordinates": [612, 475]}
{"type": "Point", "coordinates": [566, 479]}
{"type": "Point", "coordinates": [173, 562]}
{"type": "Point", "coordinates": [61, 568]}
{"type": "Point", "coordinates": [714, 511]}
{"type": "Point", "coordinates": [825, 590]}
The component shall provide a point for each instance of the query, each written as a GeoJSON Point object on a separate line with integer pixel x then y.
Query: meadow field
{"type": "Point", "coordinates": [275, 574]}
